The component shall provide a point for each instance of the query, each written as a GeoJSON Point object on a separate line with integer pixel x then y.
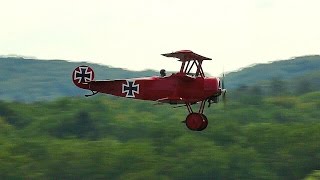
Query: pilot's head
{"type": "Point", "coordinates": [162, 72]}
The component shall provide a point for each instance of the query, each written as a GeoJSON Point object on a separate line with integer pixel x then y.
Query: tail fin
{"type": "Point", "coordinates": [82, 75]}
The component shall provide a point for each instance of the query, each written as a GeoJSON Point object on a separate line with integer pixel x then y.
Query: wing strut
{"type": "Point", "coordinates": [186, 68]}
{"type": "Point", "coordinates": [187, 56]}
{"type": "Point", "coordinates": [182, 66]}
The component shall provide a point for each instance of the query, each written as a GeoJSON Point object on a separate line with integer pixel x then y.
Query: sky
{"type": "Point", "coordinates": [132, 34]}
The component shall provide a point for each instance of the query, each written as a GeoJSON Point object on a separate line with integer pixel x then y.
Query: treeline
{"type": "Point", "coordinates": [291, 71]}
{"type": "Point", "coordinates": [252, 137]}
{"type": "Point", "coordinates": [278, 86]}
{"type": "Point", "coordinates": [48, 80]}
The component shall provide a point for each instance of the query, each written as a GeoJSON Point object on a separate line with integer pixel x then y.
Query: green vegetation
{"type": "Point", "coordinates": [31, 80]}
{"type": "Point", "coordinates": [294, 72]}
{"type": "Point", "coordinates": [104, 137]}
{"type": "Point", "coordinates": [269, 128]}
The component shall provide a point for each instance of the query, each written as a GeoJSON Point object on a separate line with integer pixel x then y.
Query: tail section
{"type": "Point", "coordinates": [82, 75]}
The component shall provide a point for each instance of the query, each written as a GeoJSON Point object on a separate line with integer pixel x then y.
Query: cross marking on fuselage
{"type": "Point", "coordinates": [130, 88]}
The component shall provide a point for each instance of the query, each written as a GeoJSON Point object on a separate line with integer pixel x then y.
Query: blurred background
{"type": "Point", "coordinates": [268, 129]}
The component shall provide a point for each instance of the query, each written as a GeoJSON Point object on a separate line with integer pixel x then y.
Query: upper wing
{"type": "Point", "coordinates": [186, 55]}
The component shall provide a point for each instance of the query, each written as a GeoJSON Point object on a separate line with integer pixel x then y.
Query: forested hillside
{"type": "Point", "coordinates": [269, 128]}
{"type": "Point", "coordinates": [293, 72]}
{"type": "Point", "coordinates": [253, 137]}
{"type": "Point", "coordinates": [30, 80]}
{"type": "Point", "coordinates": [33, 80]}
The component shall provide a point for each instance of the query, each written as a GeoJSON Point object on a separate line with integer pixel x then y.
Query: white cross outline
{"type": "Point", "coordinates": [128, 86]}
{"type": "Point", "coordinates": [80, 71]}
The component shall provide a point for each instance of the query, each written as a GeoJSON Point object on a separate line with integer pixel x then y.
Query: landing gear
{"type": "Point", "coordinates": [196, 121]}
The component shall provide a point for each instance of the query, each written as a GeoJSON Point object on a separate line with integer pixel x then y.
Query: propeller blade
{"type": "Point", "coordinates": [222, 81]}
{"type": "Point", "coordinates": [224, 98]}
{"type": "Point", "coordinates": [223, 90]}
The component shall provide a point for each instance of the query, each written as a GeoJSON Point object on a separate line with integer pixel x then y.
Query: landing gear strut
{"type": "Point", "coordinates": [196, 121]}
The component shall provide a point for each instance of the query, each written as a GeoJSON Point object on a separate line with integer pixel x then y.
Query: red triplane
{"type": "Point", "coordinates": [188, 86]}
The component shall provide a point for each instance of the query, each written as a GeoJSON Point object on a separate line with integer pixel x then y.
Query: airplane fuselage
{"type": "Point", "coordinates": [171, 89]}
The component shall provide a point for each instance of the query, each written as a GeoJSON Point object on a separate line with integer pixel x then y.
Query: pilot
{"type": "Point", "coordinates": [163, 73]}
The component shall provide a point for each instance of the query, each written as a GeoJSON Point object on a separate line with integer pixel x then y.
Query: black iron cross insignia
{"type": "Point", "coordinates": [83, 75]}
{"type": "Point", "coordinates": [130, 88]}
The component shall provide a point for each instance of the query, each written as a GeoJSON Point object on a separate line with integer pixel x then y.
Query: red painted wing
{"type": "Point", "coordinates": [186, 55]}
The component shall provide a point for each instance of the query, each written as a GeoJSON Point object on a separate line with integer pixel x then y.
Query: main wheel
{"type": "Point", "coordinates": [195, 122]}
{"type": "Point", "coordinates": [204, 122]}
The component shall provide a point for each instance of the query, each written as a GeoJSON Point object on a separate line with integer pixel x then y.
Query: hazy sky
{"type": "Point", "coordinates": [133, 33]}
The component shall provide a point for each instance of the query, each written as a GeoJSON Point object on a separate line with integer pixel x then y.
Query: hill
{"type": "Point", "coordinates": [29, 80]}
{"type": "Point", "coordinates": [304, 68]}
{"type": "Point", "coordinates": [103, 137]}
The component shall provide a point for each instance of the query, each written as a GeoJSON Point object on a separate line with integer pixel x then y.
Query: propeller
{"type": "Point", "coordinates": [215, 98]}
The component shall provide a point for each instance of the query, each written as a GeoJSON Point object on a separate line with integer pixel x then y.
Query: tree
{"type": "Point", "coordinates": [277, 86]}
{"type": "Point", "coordinates": [315, 175]}
{"type": "Point", "coordinates": [303, 86]}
